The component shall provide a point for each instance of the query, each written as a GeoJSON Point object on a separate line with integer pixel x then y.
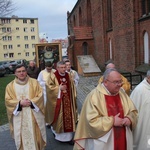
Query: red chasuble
{"type": "Point", "coordinates": [65, 101]}
{"type": "Point", "coordinates": [114, 107]}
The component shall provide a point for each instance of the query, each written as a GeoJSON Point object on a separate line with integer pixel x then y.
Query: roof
{"type": "Point", "coordinates": [83, 33]}
{"type": "Point", "coordinates": [16, 17]}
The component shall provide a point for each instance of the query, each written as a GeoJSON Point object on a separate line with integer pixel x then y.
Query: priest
{"type": "Point", "coordinates": [72, 72]}
{"type": "Point", "coordinates": [61, 107]}
{"type": "Point", "coordinates": [25, 109]}
{"type": "Point", "coordinates": [107, 118]}
{"type": "Point", "coordinates": [141, 98]}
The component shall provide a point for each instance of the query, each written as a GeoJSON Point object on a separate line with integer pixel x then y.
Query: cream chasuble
{"type": "Point", "coordinates": [27, 135]}
{"type": "Point", "coordinates": [42, 77]}
{"type": "Point", "coordinates": [141, 98]}
{"type": "Point", "coordinates": [26, 126]}
{"type": "Point", "coordinates": [95, 126]}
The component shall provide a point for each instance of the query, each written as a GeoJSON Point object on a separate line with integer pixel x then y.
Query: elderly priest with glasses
{"type": "Point", "coordinates": [107, 118]}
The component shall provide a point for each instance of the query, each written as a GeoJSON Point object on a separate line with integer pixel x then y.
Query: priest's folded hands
{"type": "Point", "coordinates": [25, 103]}
{"type": "Point", "coordinates": [121, 121]}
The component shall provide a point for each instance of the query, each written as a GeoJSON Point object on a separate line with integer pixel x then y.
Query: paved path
{"type": "Point", "coordinates": [86, 84]}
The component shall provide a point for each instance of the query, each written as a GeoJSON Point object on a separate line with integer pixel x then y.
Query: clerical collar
{"type": "Point", "coordinates": [62, 74]}
{"type": "Point", "coordinates": [108, 91]}
{"type": "Point", "coordinates": [21, 82]}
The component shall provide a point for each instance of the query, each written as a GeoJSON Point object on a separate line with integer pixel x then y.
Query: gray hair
{"type": "Point", "coordinates": [32, 61]}
{"type": "Point", "coordinates": [110, 65]}
{"type": "Point", "coordinates": [107, 72]}
{"type": "Point", "coordinates": [60, 63]}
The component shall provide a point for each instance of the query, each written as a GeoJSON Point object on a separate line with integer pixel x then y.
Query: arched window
{"type": "Point", "coordinates": [74, 21]}
{"type": "Point", "coordinates": [148, 7]}
{"type": "Point", "coordinates": [69, 27]}
{"type": "Point", "coordinates": [146, 48]}
{"type": "Point", "coordinates": [80, 17]}
{"type": "Point", "coordinates": [109, 14]}
{"type": "Point", "coordinates": [85, 48]}
{"type": "Point", "coordinates": [89, 15]}
{"type": "Point", "coordinates": [69, 41]}
{"type": "Point", "coordinates": [110, 49]}
{"type": "Point", "coordinates": [145, 5]}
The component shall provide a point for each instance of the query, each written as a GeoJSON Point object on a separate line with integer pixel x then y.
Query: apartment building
{"type": "Point", "coordinates": [18, 37]}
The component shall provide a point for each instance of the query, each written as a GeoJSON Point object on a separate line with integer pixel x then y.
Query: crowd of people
{"type": "Point", "coordinates": [112, 116]}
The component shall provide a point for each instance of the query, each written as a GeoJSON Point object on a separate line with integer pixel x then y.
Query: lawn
{"type": "Point", "coordinates": [3, 82]}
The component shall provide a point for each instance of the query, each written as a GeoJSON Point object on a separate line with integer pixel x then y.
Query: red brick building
{"type": "Point", "coordinates": [110, 29]}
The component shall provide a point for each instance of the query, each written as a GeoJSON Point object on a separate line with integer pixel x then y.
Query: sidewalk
{"type": "Point", "coordinates": [86, 84]}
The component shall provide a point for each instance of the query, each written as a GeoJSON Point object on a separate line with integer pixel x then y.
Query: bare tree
{"type": "Point", "coordinates": [6, 7]}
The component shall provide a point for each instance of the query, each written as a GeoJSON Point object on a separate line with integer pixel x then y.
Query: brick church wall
{"type": "Point", "coordinates": [126, 34]}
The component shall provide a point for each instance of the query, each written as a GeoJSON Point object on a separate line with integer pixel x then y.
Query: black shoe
{"type": "Point", "coordinates": [71, 142]}
{"type": "Point", "coordinates": [48, 126]}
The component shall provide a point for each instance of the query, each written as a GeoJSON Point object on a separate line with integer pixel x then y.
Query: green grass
{"type": "Point", "coordinates": [3, 82]}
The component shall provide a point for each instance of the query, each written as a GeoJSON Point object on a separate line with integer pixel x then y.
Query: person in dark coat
{"type": "Point", "coordinates": [32, 70]}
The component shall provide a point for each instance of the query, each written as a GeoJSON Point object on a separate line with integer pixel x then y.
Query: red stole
{"type": "Point", "coordinates": [65, 101]}
{"type": "Point", "coordinates": [114, 107]}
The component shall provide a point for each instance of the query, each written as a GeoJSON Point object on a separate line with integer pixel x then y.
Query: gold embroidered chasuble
{"type": "Point", "coordinates": [45, 74]}
{"type": "Point", "coordinates": [54, 113]}
{"type": "Point", "coordinates": [96, 123]}
{"type": "Point", "coordinates": [27, 127]}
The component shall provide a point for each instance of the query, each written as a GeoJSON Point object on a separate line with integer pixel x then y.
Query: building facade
{"type": "Point", "coordinates": [18, 37]}
{"type": "Point", "coordinates": [117, 30]}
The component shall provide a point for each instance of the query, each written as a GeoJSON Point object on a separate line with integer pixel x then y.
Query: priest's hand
{"type": "Point", "coordinates": [25, 103]}
{"type": "Point", "coordinates": [118, 121]}
{"type": "Point", "coordinates": [126, 122]}
{"type": "Point", "coordinates": [63, 88]}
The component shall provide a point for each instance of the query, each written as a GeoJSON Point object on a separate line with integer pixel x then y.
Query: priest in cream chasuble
{"type": "Point", "coordinates": [25, 110]}
{"type": "Point", "coordinates": [107, 118]}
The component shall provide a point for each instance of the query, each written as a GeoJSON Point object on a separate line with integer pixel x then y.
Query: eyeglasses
{"type": "Point", "coordinates": [116, 82]}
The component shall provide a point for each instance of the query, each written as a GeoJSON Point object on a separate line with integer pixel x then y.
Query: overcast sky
{"type": "Point", "coordinates": [52, 15]}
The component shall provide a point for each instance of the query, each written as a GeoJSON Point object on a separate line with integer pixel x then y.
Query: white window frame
{"type": "Point", "coordinates": [146, 48]}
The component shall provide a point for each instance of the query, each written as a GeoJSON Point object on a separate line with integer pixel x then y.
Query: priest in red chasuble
{"type": "Point", "coordinates": [107, 118]}
{"type": "Point", "coordinates": [61, 107]}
